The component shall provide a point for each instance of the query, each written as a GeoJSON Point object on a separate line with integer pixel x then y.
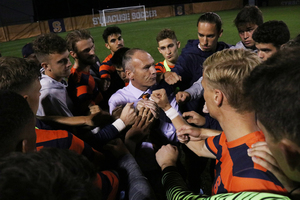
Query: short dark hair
{"type": "Point", "coordinates": [165, 34]}
{"type": "Point", "coordinates": [47, 44]}
{"type": "Point", "coordinates": [211, 17]}
{"type": "Point", "coordinates": [117, 58]}
{"type": "Point", "coordinates": [109, 31]}
{"type": "Point", "coordinates": [17, 74]}
{"type": "Point", "coordinates": [274, 32]}
{"type": "Point", "coordinates": [48, 174]}
{"type": "Point", "coordinates": [75, 36]}
{"type": "Point", "coordinates": [249, 14]}
{"type": "Point", "coordinates": [273, 90]}
{"type": "Point", "coordinates": [15, 114]}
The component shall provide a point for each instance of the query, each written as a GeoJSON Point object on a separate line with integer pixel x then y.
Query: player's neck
{"type": "Point", "coordinates": [236, 125]}
{"type": "Point", "coordinates": [170, 63]}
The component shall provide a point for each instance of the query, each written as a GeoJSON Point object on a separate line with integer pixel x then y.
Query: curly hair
{"type": "Point", "coordinates": [109, 31]}
{"type": "Point", "coordinates": [165, 34]}
{"type": "Point", "coordinates": [274, 32]}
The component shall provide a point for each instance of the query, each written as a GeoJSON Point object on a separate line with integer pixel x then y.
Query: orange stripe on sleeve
{"type": "Point", "coordinates": [82, 90]}
{"type": "Point", "coordinates": [114, 183]}
{"type": "Point", "coordinates": [46, 135]}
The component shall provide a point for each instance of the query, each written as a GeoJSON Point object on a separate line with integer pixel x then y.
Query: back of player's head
{"type": "Point", "coordinates": [109, 31]}
{"type": "Point", "coordinates": [166, 34]}
{"type": "Point", "coordinates": [273, 88]}
{"type": "Point", "coordinates": [274, 32]}
{"type": "Point", "coordinates": [17, 74]}
{"type": "Point", "coordinates": [75, 36]}
{"type": "Point", "coordinates": [27, 50]}
{"type": "Point", "coordinates": [47, 175]}
{"type": "Point", "coordinates": [249, 14]}
{"type": "Point", "coordinates": [212, 18]}
{"type": "Point", "coordinates": [15, 115]}
{"type": "Point", "coordinates": [47, 44]}
{"type": "Point", "coordinates": [127, 58]}
{"type": "Point", "coordinates": [117, 58]}
{"type": "Point", "coordinates": [225, 70]}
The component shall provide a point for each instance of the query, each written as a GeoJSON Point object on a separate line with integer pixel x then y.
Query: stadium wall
{"type": "Point", "coordinates": [14, 32]}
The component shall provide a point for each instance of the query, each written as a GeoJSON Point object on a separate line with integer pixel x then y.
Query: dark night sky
{"type": "Point", "coordinates": [27, 11]}
{"type": "Point", "coordinates": [51, 9]}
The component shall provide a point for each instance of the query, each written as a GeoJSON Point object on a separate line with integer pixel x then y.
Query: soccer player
{"type": "Point", "coordinates": [226, 103]}
{"type": "Point", "coordinates": [269, 37]}
{"type": "Point", "coordinates": [113, 39]}
{"type": "Point", "coordinates": [51, 51]}
{"type": "Point", "coordinates": [168, 46]}
{"type": "Point", "coordinates": [246, 21]}
{"type": "Point", "coordinates": [82, 87]}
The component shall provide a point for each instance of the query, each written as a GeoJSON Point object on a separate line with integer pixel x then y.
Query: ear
{"type": "Point", "coordinates": [218, 97]}
{"type": "Point", "coordinates": [291, 152]}
{"type": "Point", "coordinates": [107, 46]}
{"type": "Point", "coordinates": [178, 44]}
{"type": "Point", "coordinates": [158, 49]}
{"type": "Point", "coordinates": [129, 74]}
{"type": "Point", "coordinates": [44, 65]}
{"type": "Point", "coordinates": [73, 54]}
{"type": "Point", "coordinates": [24, 146]}
{"type": "Point", "coordinates": [26, 97]}
{"type": "Point", "coordinates": [221, 32]}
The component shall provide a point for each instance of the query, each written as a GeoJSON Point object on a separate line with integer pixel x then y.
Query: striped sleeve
{"type": "Point", "coordinates": [108, 182]}
{"type": "Point", "coordinates": [177, 190]}
{"type": "Point", "coordinates": [160, 67]}
{"type": "Point", "coordinates": [106, 68]}
{"type": "Point", "coordinates": [64, 140]}
{"type": "Point", "coordinates": [212, 144]}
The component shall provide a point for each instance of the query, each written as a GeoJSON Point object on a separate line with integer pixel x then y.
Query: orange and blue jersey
{"type": "Point", "coordinates": [65, 140]}
{"type": "Point", "coordinates": [106, 180]}
{"type": "Point", "coordinates": [235, 171]}
{"type": "Point", "coordinates": [162, 67]}
{"type": "Point", "coordinates": [82, 90]}
{"type": "Point", "coordinates": [106, 68]}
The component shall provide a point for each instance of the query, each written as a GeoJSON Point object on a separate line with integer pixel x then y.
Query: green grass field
{"type": "Point", "coordinates": [143, 34]}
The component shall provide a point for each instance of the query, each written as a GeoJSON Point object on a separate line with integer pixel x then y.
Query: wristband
{"type": "Point", "coordinates": [119, 124]}
{"type": "Point", "coordinates": [171, 113]}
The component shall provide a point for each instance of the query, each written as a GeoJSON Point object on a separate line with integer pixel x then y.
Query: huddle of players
{"type": "Point", "coordinates": [192, 67]}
